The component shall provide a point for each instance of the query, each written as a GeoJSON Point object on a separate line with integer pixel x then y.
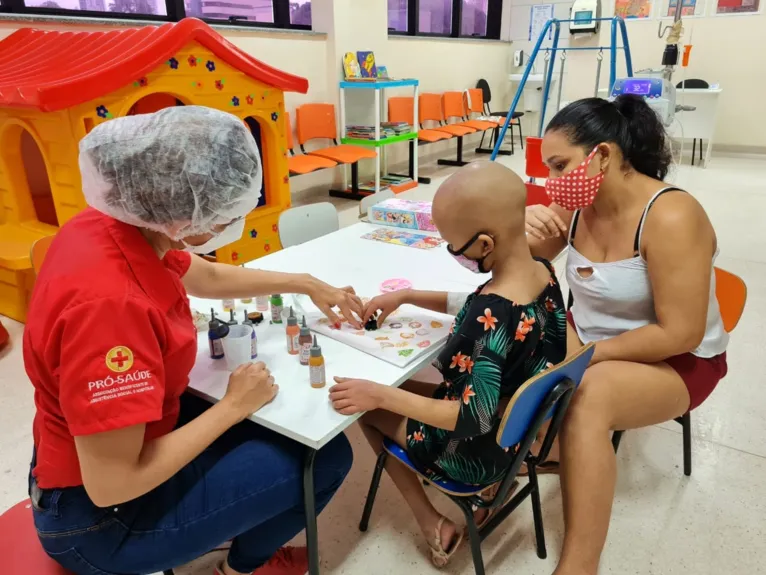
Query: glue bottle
{"type": "Point", "coordinates": [228, 304]}
{"type": "Point", "coordinates": [304, 341]}
{"type": "Point", "coordinates": [277, 305]}
{"type": "Point", "coordinates": [253, 337]}
{"type": "Point", "coordinates": [216, 331]}
{"type": "Point", "coordinates": [317, 375]}
{"type": "Point", "coordinates": [232, 319]}
{"type": "Point", "coordinates": [293, 334]}
{"type": "Point", "coordinates": [262, 303]}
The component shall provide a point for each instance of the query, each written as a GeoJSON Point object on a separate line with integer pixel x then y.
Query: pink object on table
{"type": "Point", "coordinates": [395, 284]}
{"type": "Point", "coordinates": [409, 214]}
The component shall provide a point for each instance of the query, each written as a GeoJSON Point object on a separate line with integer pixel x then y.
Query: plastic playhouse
{"type": "Point", "coordinates": [56, 86]}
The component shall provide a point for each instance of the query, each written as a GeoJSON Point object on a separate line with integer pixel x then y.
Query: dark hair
{"type": "Point", "coordinates": [628, 122]}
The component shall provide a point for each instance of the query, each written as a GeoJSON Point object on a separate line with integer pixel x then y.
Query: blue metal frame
{"type": "Point", "coordinates": [616, 21]}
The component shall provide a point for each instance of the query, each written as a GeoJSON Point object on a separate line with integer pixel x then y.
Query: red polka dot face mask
{"type": "Point", "coordinates": [575, 190]}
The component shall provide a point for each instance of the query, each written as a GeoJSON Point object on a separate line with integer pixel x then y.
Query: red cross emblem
{"type": "Point", "coordinates": [119, 359]}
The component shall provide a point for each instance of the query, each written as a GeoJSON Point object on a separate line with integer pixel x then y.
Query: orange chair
{"type": "Point", "coordinates": [537, 195]}
{"type": "Point", "coordinates": [536, 168]}
{"type": "Point", "coordinates": [473, 101]}
{"type": "Point", "coordinates": [303, 164]}
{"type": "Point", "coordinates": [317, 121]}
{"type": "Point", "coordinates": [731, 293]}
{"type": "Point", "coordinates": [430, 110]}
{"type": "Point", "coordinates": [402, 109]}
{"type": "Point", "coordinates": [38, 251]}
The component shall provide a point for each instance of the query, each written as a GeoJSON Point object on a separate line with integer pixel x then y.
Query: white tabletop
{"type": "Point", "coordinates": [342, 258]}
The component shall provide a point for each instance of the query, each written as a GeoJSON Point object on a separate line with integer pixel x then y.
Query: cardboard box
{"type": "Point", "coordinates": [406, 214]}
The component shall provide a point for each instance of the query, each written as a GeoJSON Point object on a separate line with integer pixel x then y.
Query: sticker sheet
{"type": "Point", "coordinates": [404, 336]}
{"type": "Point", "coordinates": [402, 238]}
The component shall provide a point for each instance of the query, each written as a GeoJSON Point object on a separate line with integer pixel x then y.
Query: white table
{"type": "Point", "coordinates": [698, 124]}
{"type": "Point", "coordinates": [300, 412]}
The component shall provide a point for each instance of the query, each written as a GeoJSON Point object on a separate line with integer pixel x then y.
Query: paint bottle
{"type": "Point", "coordinates": [316, 366]}
{"type": "Point", "coordinates": [304, 341]}
{"type": "Point", "coordinates": [228, 304]}
{"type": "Point", "coordinates": [216, 331]}
{"type": "Point", "coordinates": [232, 319]}
{"type": "Point", "coordinates": [262, 303]}
{"type": "Point", "coordinates": [277, 305]}
{"type": "Point", "coordinates": [293, 333]}
{"type": "Point", "coordinates": [253, 337]}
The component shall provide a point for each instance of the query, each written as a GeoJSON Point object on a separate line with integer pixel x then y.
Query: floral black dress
{"type": "Point", "coordinates": [495, 346]}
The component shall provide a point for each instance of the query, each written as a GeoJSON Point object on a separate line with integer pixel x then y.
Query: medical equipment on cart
{"type": "Point", "coordinates": [659, 93]}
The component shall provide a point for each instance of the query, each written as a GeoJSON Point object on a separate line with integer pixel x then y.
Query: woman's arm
{"type": "Point", "coordinates": [119, 466]}
{"type": "Point", "coordinates": [209, 280]}
{"type": "Point", "coordinates": [679, 247]}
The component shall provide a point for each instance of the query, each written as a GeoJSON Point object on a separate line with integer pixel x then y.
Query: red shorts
{"type": "Point", "coordinates": [700, 375]}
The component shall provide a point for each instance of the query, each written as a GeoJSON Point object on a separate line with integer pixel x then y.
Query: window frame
{"type": "Point", "coordinates": [494, 18]}
{"type": "Point", "coordinates": [176, 10]}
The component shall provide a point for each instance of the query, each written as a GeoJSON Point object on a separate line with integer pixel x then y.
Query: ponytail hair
{"type": "Point", "coordinates": [628, 122]}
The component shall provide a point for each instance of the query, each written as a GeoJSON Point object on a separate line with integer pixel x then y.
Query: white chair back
{"type": "Point", "coordinates": [305, 223]}
{"type": "Point", "coordinates": [369, 201]}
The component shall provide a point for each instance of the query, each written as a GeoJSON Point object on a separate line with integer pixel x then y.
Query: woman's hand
{"type": "Point", "coordinates": [544, 223]}
{"type": "Point", "coordinates": [327, 297]}
{"type": "Point", "coordinates": [350, 396]}
{"type": "Point", "coordinates": [387, 303]}
{"type": "Point", "coordinates": [251, 386]}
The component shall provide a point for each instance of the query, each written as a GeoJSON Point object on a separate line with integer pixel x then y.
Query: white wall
{"type": "Point", "coordinates": [728, 50]}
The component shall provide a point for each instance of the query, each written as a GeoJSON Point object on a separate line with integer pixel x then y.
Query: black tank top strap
{"type": "Point", "coordinates": [640, 228]}
{"type": "Point", "coordinates": [573, 227]}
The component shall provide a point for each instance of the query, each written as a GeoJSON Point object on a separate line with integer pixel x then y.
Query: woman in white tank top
{"type": "Point", "coordinates": [640, 270]}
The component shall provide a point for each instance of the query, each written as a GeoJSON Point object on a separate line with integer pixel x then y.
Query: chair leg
{"type": "Point", "coordinates": [474, 538]}
{"type": "Point", "coordinates": [521, 135]}
{"type": "Point", "coordinates": [694, 149]}
{"type": "Point", "coordinates": [700, 151]}
{"type": "Point", "coordinates": [686, 424]}
{"type": "Point", "coordinates": [481, 144]}
{"type": "Point", "coordinates": [379, 466]}
{"type": "Point", "coordinates": [616, 438]}
{"type": "Point", "coordinates": [537, 513]}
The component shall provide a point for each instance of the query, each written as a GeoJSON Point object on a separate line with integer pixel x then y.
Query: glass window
{"type": "Point", "coordinates": [157, 7]}
{"type": "Point", "coordinates": [397, 15]}
{"type": "Point", "coordinates": [246, 10]}
{"type": "Point", "coordinates": [300, 12]}
{"type": "Point", "coordinates": [737, 6]}
{"type": "Point", "coordinates": [435, 17]}
{"type": "Point", "coordinates": [473, 18]}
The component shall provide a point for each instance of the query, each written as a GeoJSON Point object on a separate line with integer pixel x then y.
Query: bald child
{"type": "Point", "coordinates": [511, 328]}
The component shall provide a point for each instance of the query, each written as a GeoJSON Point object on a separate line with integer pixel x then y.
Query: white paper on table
{"type": "Point", "coordinates": [406, 334]}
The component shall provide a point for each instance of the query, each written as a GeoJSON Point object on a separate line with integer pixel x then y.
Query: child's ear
{"type": "Point", "coordinates": [489, 245]}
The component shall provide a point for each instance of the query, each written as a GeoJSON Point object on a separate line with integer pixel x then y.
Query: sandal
{"type": "Point", "coordinates": [440, 556]}
{"type": "Point", "coordinates": [490, 493]}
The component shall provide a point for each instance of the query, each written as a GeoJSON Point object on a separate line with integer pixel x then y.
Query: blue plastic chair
{"type": "Point", "coordinates": [543, 397]}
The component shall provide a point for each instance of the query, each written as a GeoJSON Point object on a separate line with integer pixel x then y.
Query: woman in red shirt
{"type": "Point", "coordinates": [130, 474]}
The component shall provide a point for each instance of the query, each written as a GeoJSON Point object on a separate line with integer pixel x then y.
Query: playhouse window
{"type": "Point", "coordinates": [255, 128]}
{"type": "Point", "coordinates": [37, 180]}
{"type": "Point", "coordinates": [154, 103]}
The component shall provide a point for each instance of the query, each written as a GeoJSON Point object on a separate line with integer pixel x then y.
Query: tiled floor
{"type": "Point", "coordinates": [709, 524]}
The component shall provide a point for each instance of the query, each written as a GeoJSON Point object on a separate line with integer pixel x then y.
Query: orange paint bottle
{"type": "Point", "coordinates": [316, 367]}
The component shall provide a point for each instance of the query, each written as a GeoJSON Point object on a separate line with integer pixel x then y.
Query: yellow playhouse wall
{"type": "Point", "coordinates": [196, 77]}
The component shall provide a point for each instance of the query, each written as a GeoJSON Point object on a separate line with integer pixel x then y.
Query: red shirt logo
{"type": "Point", "coordinates": [119, 359]}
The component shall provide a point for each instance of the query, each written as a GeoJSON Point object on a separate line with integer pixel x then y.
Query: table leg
{"type": "Point", "coordinates": [312, 539]}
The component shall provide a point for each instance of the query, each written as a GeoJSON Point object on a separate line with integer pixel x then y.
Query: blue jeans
{"type": "Point", "coordinates": [247, 486]}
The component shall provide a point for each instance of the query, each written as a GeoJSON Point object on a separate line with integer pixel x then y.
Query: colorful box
{"type": "Point", "coordinates": [407, 214]}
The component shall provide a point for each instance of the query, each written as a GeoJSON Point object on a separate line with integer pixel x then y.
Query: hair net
{"type": "Point", "coordinates": [179, 171]}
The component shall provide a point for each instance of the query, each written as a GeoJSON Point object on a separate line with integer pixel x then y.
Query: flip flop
{"type": "Point", "coordinates": [492, 512]}
{"type": "Point", "coordinates": [544, 468]}
{"type": "Point", "coordinates": [440, 557]}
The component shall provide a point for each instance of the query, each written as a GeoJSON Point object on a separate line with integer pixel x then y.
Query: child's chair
{"type": "Point", "coordinates": [317, 121]}
{"type": "Point", "coordinates": [545, 396]}
{"type": "Point", "coordinates": [731, 292]}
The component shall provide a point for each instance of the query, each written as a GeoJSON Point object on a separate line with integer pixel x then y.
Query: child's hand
{"type": "Point", "coordinates": [350, 396]}
{"type": "Point", "coordinates": [387, 304]}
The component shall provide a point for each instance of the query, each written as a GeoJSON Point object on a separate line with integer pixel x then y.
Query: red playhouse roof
{"type": "Point", "coordinates": [52, 71]}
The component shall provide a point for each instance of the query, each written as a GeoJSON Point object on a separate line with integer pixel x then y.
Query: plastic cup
{"type": "Point", "coordinates": [236, 346]}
